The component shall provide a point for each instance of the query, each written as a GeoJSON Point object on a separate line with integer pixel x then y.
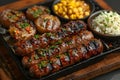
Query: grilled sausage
{"type": "Point", "coordinates": [29, 61]}
{"type": "Point", "coordinates": [65, 60]}
{"type": "Point", "coordinates": [81, 52]}
{"type": "Point", "coordinates": [49, 38]}
{"type": "Point", "coordinates": [90, 48]}
{"type": "Point", "coordinates": [34, 58]}
{"type": "Point", "coordinates": [61, 47]}
{"type": "Point", "coordinates": [56, 63]}
{"type": "Point", "coordinates": [41, 69]}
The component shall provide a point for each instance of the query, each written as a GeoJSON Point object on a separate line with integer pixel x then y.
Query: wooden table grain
{"type": "Point", "coordinates": [109, 63]}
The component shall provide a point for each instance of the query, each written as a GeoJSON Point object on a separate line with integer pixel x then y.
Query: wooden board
{"type": "Point", "coordinates": [109, 63]}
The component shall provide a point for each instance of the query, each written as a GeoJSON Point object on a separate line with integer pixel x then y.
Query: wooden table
{"type": "Point", "coordinates": [109, 63]}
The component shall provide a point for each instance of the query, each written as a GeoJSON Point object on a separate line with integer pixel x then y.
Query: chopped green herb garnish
{"type": "Point", "coordinates": [57, 56]}
{"type": "Point", "coordinates": [48, 34]}
{"type": "Point", "coordinates": [36, 36]}
{"type": "Point", "coordinates": [48, 10]}
{"type": "Point", "coordinates": [9, 16]}
{"type": "Point", "coordinates": [58, 42]}
{"type": "Point", "coordinates": [40, 66]}
{"type": "Point", "coordinates": [63, 29]}
{"type": "Point", "coordinates": [43, 63]}
{"type": "Point", "coordinates": [45, 20]}
{"type": "Point", "coordinates": [53, 47]}
{"type": "Point", "coordinates": [37, 13]}
{"type": "Point", "coordinates": [44, 50]}
{"type": "Point", "coordinates": [107, 19]}
{"type": "Point", "coordinates": [36, 57]}
{"type": "Point", "coordinates": [50, 62]}
{"type": "Point", "coordinates": [23, 25]}
{"type": "Point", "coordinates": [42, 54]}
{"type": "Point", "coordinates": [66, 54]}
{"type": "Point", "coordinates": [29, 60]}
{"type": "Point", "coordinates": [69, 42]}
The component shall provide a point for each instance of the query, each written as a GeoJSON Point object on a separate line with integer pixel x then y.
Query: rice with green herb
{"type": "Point", "coordinates": [107, 23]}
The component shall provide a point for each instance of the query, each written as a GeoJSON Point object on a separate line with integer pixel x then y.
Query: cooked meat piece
{"type": "Point", "coordinates": [47, 23]}
{"type": "Point", "coordinates": [73, 27]}
{"type": "Point", "coordinates": [74, 55]}
{"type": "Point", "coordinates": [65, 60]}
{"type": "Point", "coordinates": [79, 52]}
{"type": "Point", "coordinates": [9, 17]}
{"type": "Point", "coordinates": [22, 30]}
{"type": "Point", "coordinates": [23, 48]}
{"type": "Point", "coordinates": [34, 58]}
{"type": "Point", "coordinates": [48, 39]}
{"type": "Point", "coordinates": [30, 60]}
{"type": "Point", "coordinates": [56, 63]}
{"type": "Point", "coordinates": [41, 69]}
{"type": "Point", "coordinates": [44, 40]}
{"type": "Point", "coordinates": [64, 45]}
{"type": "Point", "coordinates": [36, 11]}
{"type": "Point", "coordinates": [89, 49]}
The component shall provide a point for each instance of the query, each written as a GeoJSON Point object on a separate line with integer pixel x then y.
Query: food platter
{"type": "Point", "coordinates": [109, 46]}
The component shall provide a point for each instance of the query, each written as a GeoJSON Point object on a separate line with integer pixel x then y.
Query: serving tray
{"type": "Point", "coordinates": [109, 46]}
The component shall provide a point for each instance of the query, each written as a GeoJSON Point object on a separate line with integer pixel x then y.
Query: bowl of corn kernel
{"type": "Point", "coordinates": [73, 9]}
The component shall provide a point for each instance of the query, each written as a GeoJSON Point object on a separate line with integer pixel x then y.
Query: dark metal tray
{"type": "Point", "coordinates": [72, 68]}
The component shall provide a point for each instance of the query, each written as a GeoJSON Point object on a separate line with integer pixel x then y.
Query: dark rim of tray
{"type": "Point", "coordinates": [71, 68]}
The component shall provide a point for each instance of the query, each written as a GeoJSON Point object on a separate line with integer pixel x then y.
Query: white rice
{"type": "Point", "coordinates": [107, 23]}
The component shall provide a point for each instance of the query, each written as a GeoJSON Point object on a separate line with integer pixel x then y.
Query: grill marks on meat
{"type": "Point", "coordinates": [24, 48]}
{"type": "Point", "coordinates": [9, 17]}
{"type": "Point", "coordinates": [36, 11]}
{"type": "Point", "coordinates": [47, 23]}
{"type": "Point", "coordinates": [50, 38]}
{"type": "Point", "coordinates": [41, 69]}
{"type": "Point", "coordinates": [81, 52]}
{"type": "Point", "coordinates": [22, 30]}
{"type": "Point", "coordinates": [63, 46]}
{"type": "Point", "coordinates": [50, 52]}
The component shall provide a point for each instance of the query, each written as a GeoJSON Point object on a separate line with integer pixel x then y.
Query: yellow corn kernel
{"type": "Point", "coordinates": [87, 13]}
{"type": "Point", "coordinates": [60, 11]}
{"type": "Point", "coordinates": [71, 16]}
{"type": "Point", "coordinates": [80, 16]}
{"type": "Point", "coordinates": [74, 16]}
{"type": "Point", "coordinates": [77, 15]}
{"type": "Point", "coordinates": [69, 11]}
{"type": "Point", "coordinates": [55, 7]}
{"type": "Point", "coordinates": [80, 9]}
{"type": "Point", "coordinates": [75, 10]}
{"type": "Point", "coordinates": [63, 13]}
{"type": "Point", "coordinates": [66, 16]}
{"type": "Point", "coordinates": [59, 4]}
{"type": "Point", "coordinates": [64, 8]}
{"type": "Point", "coordinates": [77, 3]}
{"type": "Point", "coordinates": [70, 7]}
{"type": "Point", "coordinates": [64, 0]}
{"type": "Point", "coordinates": [64, 3]}
{"type": "Point", "coordinates": [72, 3]}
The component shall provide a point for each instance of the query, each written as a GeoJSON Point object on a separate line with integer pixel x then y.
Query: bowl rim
{"type": "Point", "coordinates": [89, 22]}
{"type": "Point", "coordinates": [89, 2]}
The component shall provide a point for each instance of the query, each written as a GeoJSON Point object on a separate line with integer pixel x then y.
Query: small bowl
{"type": "Point", "coordinates": [102, 35]}
{"type": "Point", "coordinates": [89, 2]}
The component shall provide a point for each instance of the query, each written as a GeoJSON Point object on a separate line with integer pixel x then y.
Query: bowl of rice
{"type": "Point", "coordinates": [105, 23]}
